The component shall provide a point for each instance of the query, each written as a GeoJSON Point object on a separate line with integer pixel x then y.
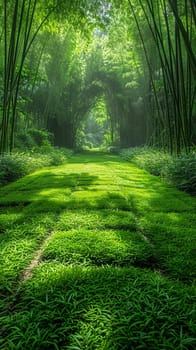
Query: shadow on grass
{"type": "Point", "coordinates": [42, 186]}
{"type": "Point", "coordinates": [100, 308]}
{"type": "Point", "coordinates": [49, 191]}
{"type": "Point", "coordinates": [168, 220]}
{"type": "Point", "coordinates": [110, 308]}
{"type": "Point", "coordinates": [53, 191]}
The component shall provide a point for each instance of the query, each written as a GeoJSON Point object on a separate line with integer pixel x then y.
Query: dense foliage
{"type": "Point", "coordinates": [180, 171]}
{"type": "Point", "coordinates": [98, 253]}
{"type": "Point", "coordinates": [60, 59]}
{"type": "Point", "coordinates": [16, 165]}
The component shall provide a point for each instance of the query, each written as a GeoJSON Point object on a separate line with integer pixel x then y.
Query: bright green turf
{"type": "Point", "coordinates": [117, 270]}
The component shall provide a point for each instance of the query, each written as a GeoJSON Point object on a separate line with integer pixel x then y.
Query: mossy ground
{"type": "Point", "coordinates": [117, 263]}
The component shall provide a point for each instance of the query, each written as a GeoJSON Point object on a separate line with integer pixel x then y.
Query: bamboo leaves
{"type": "Point", "coordinates": [172, 34]}
{"type": "Point", "coordinates": [17, 30]}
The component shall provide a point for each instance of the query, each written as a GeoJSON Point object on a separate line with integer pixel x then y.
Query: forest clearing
{"type": "Point", "coordinates": [96, 254]}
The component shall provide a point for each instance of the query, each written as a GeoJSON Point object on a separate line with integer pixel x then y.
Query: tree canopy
{"type": "Point", "coordinates": [124, 68]}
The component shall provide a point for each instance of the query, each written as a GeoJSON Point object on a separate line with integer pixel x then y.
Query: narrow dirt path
{"type": "Point", "coordinates": [28, 271]}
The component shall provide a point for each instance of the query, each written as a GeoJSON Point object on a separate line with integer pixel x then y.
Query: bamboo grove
{"type": "Point", "coordinates": [172, 25]}
{"type": "Point", "coordinates": [132, 60]}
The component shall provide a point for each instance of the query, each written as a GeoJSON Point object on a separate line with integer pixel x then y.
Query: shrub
{"type": "Point", "coordinates": [33, 138]}
{"type": "Point", "coordinates": [11, 168]}
{"type": "Point", "coordinates": [58, 156]}
{"type": "Point", "coordinates": [24, 141]}
{"type": "Point", "coordinates": [55, 155]}
{"type": "Point", "coordinates": [40, 137]}
{"type": "Point", "coordinates": [180, 171]}
{"type": "Point", "coordinates": [152, 160]}
{"type": "Point", "coordinates": [17, 165]}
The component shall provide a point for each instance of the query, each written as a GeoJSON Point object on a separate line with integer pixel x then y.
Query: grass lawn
{"type": "Point", "coordinates": [96, 255]}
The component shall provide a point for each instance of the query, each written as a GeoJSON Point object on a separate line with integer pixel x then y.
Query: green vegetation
{"type": "Point", "coordinates": [178, 170]}
{"type": "Point", "coordinates": [124, 75]}
{"type": "Point", "coordinates": [16, 165]}
{"type": "Point", "coordinates": [96, 254]}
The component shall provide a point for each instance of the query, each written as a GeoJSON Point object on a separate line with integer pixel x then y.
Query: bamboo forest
{"type": "Point", "coordinates": [97, 174]}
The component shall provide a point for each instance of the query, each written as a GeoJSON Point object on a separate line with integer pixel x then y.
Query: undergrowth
{"type": "Point", "coordinates": [178, 170]}
{"type": "Point", "coordinates": [16, 165]}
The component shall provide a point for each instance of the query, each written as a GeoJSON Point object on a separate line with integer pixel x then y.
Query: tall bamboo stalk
{"type": "Point", "coordinates": [18, 39]}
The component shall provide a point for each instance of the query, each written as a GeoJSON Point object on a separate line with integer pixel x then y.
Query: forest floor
{"type": "Point", "coordinates": [99, 255]}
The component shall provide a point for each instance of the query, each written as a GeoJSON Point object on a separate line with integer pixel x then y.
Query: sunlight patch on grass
{"type": "Point", "coordinates": [97, 247]}
{"type": "Point", "coordinates": [99, 199]}
{"type": "Point", "coordinates": [173, 236]}
{"type": "Point", "coordinates": [53, 194]}
{"type": "Point", "coordinates": [160, 201]}
{"type": "Point", "coordinates": [104, 218]}
{"type": "Point", "coordinates": [107, 217]}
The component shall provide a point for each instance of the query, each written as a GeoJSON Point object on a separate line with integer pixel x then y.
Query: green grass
{"type": "Point", "coordinates": [100, 308]}
{"type": "Point", "coordinates": [18, 243]}
{"type": "Point", "coordinates": [179, 170]}
{"type": "Point", "coordinates": [16, 165]}
{"type": "Point", "coordinates": [117, 264]}
{"type": "Point", "coordinates": [97, 247]}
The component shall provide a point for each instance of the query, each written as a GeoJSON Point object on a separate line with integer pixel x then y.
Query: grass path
{"type": "Point", "coordinates": [96, 255]}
